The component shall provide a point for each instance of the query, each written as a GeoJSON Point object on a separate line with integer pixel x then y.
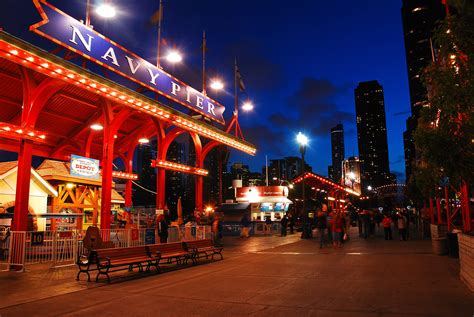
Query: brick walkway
{"type": "Point", "coordinates": [264, 276]}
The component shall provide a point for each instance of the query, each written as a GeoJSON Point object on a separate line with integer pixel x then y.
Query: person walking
{"type": "Point", "coordinates": [162, 229]}
{"type": "Point", "coordinates": [337, 229]}
{"type": "Point", "coordinates": [329, 222]}
{"type": "Point", "coordinates": [365, 223]}
{"type": "Point", "coordinates": [360, 224]}
{"type": "Point", "coordinates": [284, 223]}
{"type": "Point", "coordinates": [292, 224]}
{"type": "Point", "coordinates": [268, 226]}
{"type": "Point", "coordinates": [217, 230]}
{"type": "Point", "coordinates": [402, 226]}
{"type": "Point", "coordinates": [244, 233]}
{"type": "Point", "coordinates": [347, 226]}
{"type": "Point", "coordinates": [387, 227]}
{"type": "Point", "coordinates": [321, 225]}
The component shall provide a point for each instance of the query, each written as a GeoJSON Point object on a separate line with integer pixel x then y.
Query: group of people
{"type": "Point", "coordinates": [336, 224]}
{"type": "Point", "coordinates": [367, 220]}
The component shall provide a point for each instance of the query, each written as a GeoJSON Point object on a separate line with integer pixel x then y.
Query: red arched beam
{"type": "Point", "coordinates": [110, 129]}
{"type": "Point", "coordinates": [162, 151]}
{"type": "Point", "coordinates": [35, 97]}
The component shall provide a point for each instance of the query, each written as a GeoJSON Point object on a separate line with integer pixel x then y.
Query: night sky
{"type": "Point", "coordinates": [300, 62]}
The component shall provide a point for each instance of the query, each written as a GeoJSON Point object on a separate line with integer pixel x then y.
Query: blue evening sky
{"type": "Point", "coordinates": [300, 62]}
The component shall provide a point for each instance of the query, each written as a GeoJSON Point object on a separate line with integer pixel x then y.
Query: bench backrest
{"type": "Point", "coordinates": [114, 253]}
{"type": "Point", "coordinates": [199, 243]}
{"type": "Point", "coordinates": [165, 248]}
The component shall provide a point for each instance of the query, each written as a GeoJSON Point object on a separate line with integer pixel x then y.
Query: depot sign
{"type": "Point", "coordinates": [75, 36]}
{"type": "Point", "coordinates": [84, 167]}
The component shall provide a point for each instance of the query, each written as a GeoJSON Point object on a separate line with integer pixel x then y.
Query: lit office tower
{"type": "Point", "coordinates": [419, 21]}
{"type": "Point", "coordinates": [174, 180]}
{"type": "Point", "coordinates": [372, 134]}
{"type": "Point", "coordinates": [337, 146]}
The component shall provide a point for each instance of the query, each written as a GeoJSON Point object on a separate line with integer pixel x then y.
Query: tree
{"type": "Point", "coordinates": [444, 137]}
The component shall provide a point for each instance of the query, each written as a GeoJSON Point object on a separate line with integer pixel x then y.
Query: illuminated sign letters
{"type": "Point", "coordinates": [84, 167]}
{"type": "Point", "coordinates": [75, 36]}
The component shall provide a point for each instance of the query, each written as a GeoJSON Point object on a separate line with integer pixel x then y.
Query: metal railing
{"type": "Point", "coordinates": [60, 248]}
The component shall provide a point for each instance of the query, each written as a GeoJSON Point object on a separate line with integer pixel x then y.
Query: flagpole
{"type": "Point", "coordinates": [158, 53]}
{"type": "Point", "coordinates": [204, 62]}
{"type": "Point", "coordinates": [266, 169]}
{"type": "Point", "coordinates": [236, 99]}
{"type": "Point", "coordinates": [88, 13]}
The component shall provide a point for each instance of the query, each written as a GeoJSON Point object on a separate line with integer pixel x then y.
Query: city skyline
{"type": "Point", "coordinates": [309, 89]}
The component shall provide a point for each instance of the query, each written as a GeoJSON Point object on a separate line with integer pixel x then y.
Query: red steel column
{"type": "Point", "coordinates": [465, 207]}
{"type": "Point", "coordinates": [128, 193]}
{"type": "Point", "coordinates": [199, 184]}
{"type": "Point", "coordinates": [160, 188]}
{"type": "Point", "coordinates": [431, 211]}
{"type": "Point", "coordinates": [438, 209]}
{"type": "Point", "coordinates": [107, 160]}
{"type": "Point", "coordinates": [128, 184]}
{"type": "Point", "coordinates": [20, 216]}
{"type": "Point", "coordinates": [448, 212]}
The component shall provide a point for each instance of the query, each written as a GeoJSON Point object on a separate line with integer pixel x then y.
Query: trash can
{"type": "Point", "coordinates": [439, 245]}
{"type": "Point", "coordinates": [453, 246]}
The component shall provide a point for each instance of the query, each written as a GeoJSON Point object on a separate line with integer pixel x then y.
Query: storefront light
{"type": "Point", "coordinates": [143, 140]}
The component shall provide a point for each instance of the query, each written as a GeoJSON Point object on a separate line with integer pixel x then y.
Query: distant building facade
{"type": "Point", "coordinates": [419, 19]}
{"type": "Point", "coordinates": [338, 152]}
{"type": "Point", "coordinates": [175, 181]}
{"type": "Point", "coordinates": [284, 170]}
{"type": "Point", "coordinates": [372, 134]}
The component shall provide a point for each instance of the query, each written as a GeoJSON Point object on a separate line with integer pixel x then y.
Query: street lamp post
{"type": "Point", "coordinates": [105, 10]}
{"type": "Point", "coordinates": [303, 141]}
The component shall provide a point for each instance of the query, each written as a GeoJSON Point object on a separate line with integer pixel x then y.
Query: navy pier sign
{"type": "Point", "coordinates": [75, 36]}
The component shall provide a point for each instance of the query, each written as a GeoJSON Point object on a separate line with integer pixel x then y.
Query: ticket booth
{"type": "Point", "coordinates": [265, 201]}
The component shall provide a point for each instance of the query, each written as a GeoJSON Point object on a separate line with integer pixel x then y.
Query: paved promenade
{"type": "Point", "coordinates": [261, 276]}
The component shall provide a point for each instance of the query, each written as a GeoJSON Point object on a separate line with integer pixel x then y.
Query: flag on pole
{"type": "Point", "coordinates": [157, 16]}
{"type": "Point", "coordinates": [204, 44]}
{"type": "Point", "coordinates": [238, 77]}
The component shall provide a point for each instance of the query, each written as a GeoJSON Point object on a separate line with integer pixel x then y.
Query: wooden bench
{"type": "Point", "coordinates": [205, 247]}
{"type": "Point", "coordinates": [117, 258]}
{"type": "Point", "coordinates": [171, 251]}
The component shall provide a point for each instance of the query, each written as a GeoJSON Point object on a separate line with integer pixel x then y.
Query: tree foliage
{"type": "Point", "coordinates": [444, 137]}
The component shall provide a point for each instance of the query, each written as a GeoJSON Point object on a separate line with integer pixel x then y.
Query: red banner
{"type": "Point", "coordinates": [262, 191]}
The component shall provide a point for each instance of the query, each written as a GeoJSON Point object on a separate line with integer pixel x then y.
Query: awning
{"type": "Point", "coordinates": [233, 207]}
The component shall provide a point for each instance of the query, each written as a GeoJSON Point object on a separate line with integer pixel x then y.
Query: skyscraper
{"type": "Point", "coordinates": [337, 146]}
{"type": "Point", "coordinates": [372, 134]}
{"type": "Point", "coordinates": [174, 180]}
{"type": "Point", "coordinates": [419, 21]}
{"type": "Point", "coordinates": [285, 169]}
